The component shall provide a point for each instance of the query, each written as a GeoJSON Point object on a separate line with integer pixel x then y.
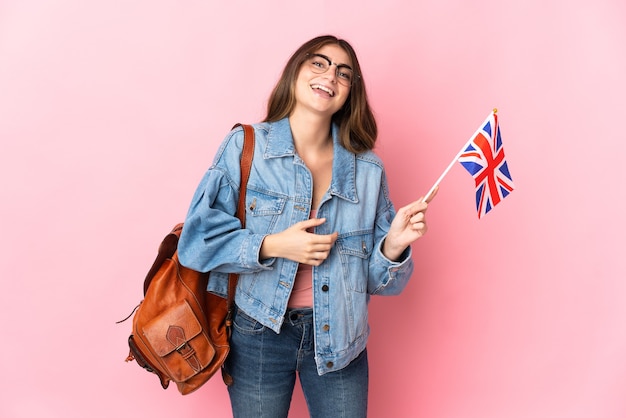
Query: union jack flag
{"type": "Point", "coordinates": [484, 159]}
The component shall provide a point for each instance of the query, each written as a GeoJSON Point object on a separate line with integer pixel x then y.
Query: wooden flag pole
{"type": "Point", "coordinates": [432, 189]}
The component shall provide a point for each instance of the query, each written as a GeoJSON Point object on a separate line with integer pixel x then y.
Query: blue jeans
{"type": "Point", "coordinates": [264, 364]}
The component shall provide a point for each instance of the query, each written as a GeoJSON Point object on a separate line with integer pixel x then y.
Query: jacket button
{"type": "Point", "coordinates": [326, 327]}
{"type": "Point", "coordinates": [325, 288]}
{"type": "Point", "coordinates": [330, 364]}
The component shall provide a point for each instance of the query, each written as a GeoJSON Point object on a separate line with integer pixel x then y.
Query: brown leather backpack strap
{"type": "Point", "coordinates": [246, 166]}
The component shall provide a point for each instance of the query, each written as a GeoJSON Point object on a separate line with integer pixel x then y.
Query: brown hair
{"type": "Point", "coordinates": [357, 125]}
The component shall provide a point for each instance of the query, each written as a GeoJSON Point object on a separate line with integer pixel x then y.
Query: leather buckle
{"type": "Point", "coordinates": [176, 336]}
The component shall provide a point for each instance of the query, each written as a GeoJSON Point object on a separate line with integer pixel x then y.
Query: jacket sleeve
{"type": "Point", "coordinates": [212, 238]}
{"type": "Point", "coordinates": [387, 277]}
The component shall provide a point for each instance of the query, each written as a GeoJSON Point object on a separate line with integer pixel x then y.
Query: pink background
{"type": "Point", "coordinates": [110, 111]}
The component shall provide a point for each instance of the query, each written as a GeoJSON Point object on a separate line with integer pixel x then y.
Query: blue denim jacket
{"type": "Point", "coordinates": [279, 194]}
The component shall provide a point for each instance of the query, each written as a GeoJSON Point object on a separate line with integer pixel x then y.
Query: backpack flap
{"type": "Point", "coordinates": [177, 338]}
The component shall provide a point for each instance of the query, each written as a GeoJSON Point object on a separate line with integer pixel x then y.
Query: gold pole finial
{"type": "Point", "coordinates": [495, 110]}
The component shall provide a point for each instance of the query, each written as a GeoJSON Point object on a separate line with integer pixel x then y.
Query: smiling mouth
{"type": "Point", "coordinates": [324, 89]}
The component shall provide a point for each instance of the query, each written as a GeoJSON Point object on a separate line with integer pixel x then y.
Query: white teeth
{"type": "Point", "coordinates": [323, 88]}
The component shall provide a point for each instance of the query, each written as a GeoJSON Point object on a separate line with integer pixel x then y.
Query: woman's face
{"type": "Point", "coordinates": [324, 88]}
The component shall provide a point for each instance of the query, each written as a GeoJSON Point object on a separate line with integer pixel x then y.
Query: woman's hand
{"type": "Point", "coordinates": [297, 244]}
{"type": "Point", "coordinates": [407, 226]}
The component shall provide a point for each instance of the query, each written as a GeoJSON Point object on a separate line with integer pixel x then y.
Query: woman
{"type": "Point", "coordinates": [321, 236]}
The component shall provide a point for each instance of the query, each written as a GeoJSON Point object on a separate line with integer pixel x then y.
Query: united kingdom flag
{"type": "Point", "coordinates": [484, 159]}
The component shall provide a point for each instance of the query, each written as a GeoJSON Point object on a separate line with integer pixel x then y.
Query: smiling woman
{"type": "Point", "coordinates": [309, 265]}
{"type": "Point", "coordinates": [321, 91]}
{"type": "Point", "coordinates": [357, 126]}
{"type": "Point", "coordinates": [108, 106]}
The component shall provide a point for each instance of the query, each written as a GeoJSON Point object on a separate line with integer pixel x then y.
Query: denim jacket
{"type": "Point", "coordinates": [279, 194]}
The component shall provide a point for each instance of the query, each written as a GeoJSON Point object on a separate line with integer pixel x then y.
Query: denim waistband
{"type": "Point", "coordinates": [296, 316]}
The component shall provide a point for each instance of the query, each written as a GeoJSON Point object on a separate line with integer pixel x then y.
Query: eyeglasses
{"type": "Point", "coordinates": [319, 64]}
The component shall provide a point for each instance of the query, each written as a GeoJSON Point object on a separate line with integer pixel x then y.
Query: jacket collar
{"type": "Point", "coordinates": [280, 144]}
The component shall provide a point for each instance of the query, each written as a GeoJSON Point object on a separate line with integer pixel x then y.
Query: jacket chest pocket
{"type": "Point", "coordinates": [263, 210]}
{"type": "Point", "coordinates": [355, 249]}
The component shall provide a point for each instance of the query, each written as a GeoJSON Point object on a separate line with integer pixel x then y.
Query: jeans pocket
{"type": "Point", "coordinates": [245, 324]}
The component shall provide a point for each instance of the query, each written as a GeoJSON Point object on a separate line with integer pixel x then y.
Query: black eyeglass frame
{"type": "Point", "coordinates": [355, 76]}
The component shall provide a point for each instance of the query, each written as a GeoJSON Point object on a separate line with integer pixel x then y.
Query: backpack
{"type": "Point", "coordinates": [180, 331]}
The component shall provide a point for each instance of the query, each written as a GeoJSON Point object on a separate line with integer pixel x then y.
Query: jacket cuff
{"type": "Point", "coordinates": [250, 254]}
{"type": "Point", "coordinates": [404, 257]}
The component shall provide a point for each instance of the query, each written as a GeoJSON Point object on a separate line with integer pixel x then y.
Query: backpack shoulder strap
{"type": "Point", "coordinates": [246, 166]}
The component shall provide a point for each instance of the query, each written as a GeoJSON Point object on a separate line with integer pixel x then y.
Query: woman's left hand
{"type": "Point", "coordinates": [407, 226]}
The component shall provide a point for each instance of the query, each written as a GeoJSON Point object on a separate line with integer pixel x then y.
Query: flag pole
{"type": "Point", "coordinates": [432, 189]}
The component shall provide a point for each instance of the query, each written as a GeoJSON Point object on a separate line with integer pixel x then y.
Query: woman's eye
{"type": "Point", "coordinates": [345, 76]}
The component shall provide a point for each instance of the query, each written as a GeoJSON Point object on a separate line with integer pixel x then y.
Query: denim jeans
{"type": "Point", "coordinates": [264, 364]}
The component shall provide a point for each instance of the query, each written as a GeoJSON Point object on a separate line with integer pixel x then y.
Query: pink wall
{"type": "Point", "coordinates": [106, 106]}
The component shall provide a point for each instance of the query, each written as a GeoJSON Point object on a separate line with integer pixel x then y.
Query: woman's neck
{"type": "Point", "coordinates": [310, 132]}
{"type": "Point", "coordinates": [314, 145]}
